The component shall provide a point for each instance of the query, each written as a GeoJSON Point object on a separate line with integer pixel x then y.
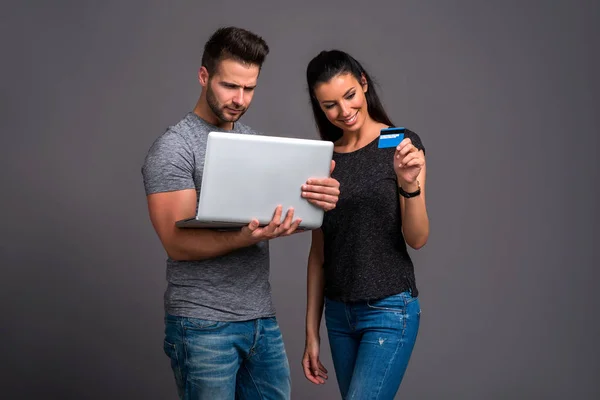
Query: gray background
{"type": "Point", "coordinates": [503, 93]}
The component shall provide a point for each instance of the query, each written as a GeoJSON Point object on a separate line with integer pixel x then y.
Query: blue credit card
{"type": "Point", "coordinates": [390, 137]}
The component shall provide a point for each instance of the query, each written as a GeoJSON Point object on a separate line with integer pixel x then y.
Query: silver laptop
{"type": "Point", "coordinates": [246, 176]}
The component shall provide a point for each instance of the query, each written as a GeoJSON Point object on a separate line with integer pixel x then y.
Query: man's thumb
{"type": "Point", "coordinates": [253, 225]}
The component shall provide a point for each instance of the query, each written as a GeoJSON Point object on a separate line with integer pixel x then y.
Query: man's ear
{"type": "Point", "coordinates": [203, 76]}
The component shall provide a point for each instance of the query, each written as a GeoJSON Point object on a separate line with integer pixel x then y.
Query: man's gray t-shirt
{"type": "Point", "coordinates": [233, 287]}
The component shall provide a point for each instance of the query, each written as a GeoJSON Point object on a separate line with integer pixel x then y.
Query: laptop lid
{"type": "Point", "coordinates": [247, 176]}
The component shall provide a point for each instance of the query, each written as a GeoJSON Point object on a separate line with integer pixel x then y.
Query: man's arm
{"type": "Point", "coordinates": [322, 192]}
{"type": "Point", "coordinates": [189, 244]}
{"type": "Point", "coordinates": [168, 172]}
{"type": "Point", "coordinates": [166, 208]}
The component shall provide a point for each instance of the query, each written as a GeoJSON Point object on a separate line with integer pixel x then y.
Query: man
{"type": "Point", "coordinates": [220, 328]}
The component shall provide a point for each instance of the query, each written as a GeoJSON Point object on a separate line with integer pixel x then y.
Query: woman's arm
{"type": "Point", "coordinates": [411, 171]}
{"type": "Point", "coordinates": [313, 369]}
{"type": "Point", "coordinates": [415, 221]}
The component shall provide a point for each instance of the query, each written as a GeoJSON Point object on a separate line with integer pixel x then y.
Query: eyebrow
{"type": "Point", "coordinates": [235, 85]}
{"type": "Point", "coordinates": [345, 94]}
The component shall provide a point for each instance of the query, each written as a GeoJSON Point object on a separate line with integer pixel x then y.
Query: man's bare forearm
{"type": "Point", "coordinates": [202, 244]}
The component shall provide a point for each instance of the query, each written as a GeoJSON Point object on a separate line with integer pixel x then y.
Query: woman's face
{"type": "Point", "coordinates": [343, 101]}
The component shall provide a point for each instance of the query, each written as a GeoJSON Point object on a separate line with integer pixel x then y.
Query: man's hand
{"type": "Point", "coordinates": [324, 192]}
{"type": "Point", "coordinates": [275, 229]}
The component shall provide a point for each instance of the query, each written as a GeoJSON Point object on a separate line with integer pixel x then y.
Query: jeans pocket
{"type": "Point", "coordinates": [395, 303]}
{"type": "Point", "coordinates": [172, 351]}
{"type": "Point", "coordinates": [203, 324]}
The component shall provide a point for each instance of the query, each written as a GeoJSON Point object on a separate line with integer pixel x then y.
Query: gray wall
{"type": "Point", "coordinates": [503, 93]}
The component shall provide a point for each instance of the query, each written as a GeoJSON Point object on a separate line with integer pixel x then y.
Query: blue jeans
{"type": "Point", "coordinates": [371, 343]}
{"type": "Point", "coordinates": [227, 360]}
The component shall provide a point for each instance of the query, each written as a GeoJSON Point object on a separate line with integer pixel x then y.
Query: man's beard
{"type": "Point", "coordinates": [219, 111]}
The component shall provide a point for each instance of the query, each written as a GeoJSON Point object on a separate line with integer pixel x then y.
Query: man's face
{"type": "Point", "coordinates": [230, 89]}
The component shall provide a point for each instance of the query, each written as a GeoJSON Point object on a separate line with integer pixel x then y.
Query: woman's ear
{"type": "Point", "coordinates": [363, 83]}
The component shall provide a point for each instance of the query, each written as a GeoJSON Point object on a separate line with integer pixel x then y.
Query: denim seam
{"type": "Point", "coordinates": [403, 310]}
{"type": "Point", "coordinates": [184, 382]}
{"type": "Point", "coordinates": [348, 319]}
{"type": "Point", "coordinates": [410, 301]}
{"type": "Point", "coordinates": [251, 352]}
{"type": "Point", "coordinates": [398, 347]}
{"type": "Point", "coordinates": [254, 382]}
{"type": "Point", "coordinates": [386, 309]}
{"type": "Point", "coordinates": [387, 369]}
{"type": "Point", "coordinates": [177, 369]}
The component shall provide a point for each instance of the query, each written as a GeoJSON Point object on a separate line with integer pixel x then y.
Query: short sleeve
{"type": "Point", "coordinates": [169, 165]}
{"type": "Point", "coordinates": [415, 139]}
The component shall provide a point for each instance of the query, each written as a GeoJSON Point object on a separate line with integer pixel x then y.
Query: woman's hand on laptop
{"type": "Point", "coordinates": [324, 192]}
{"type": "Point", "coordinates": [275, 229]}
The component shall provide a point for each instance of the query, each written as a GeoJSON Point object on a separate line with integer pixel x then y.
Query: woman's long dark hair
{"type": "Point", "coordinates": [328, 64]}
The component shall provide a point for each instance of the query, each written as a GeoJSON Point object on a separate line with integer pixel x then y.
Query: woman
{"type": "Point", "coordinates": [359, 268]}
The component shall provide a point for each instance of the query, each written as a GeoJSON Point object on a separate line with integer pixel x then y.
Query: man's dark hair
{"type": "Point", "coordinates": [234, 43]}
